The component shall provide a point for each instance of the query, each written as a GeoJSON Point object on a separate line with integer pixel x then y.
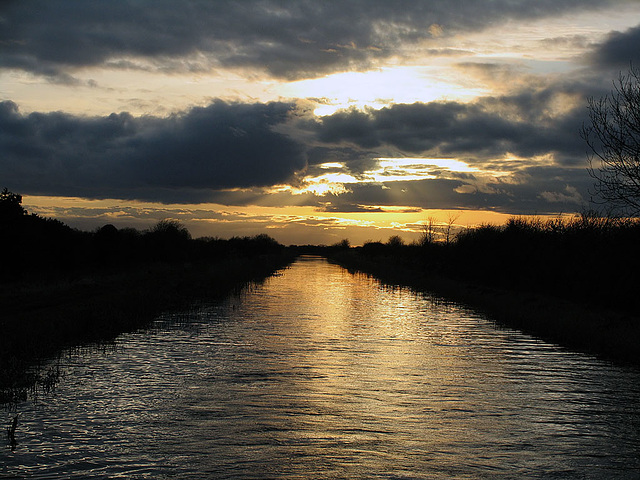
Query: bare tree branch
{"type": "Point", "coordinates": [613, 138]}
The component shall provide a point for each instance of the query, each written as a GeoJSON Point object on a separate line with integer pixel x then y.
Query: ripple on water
{"type": "Point", "coordinates": [319, 373]}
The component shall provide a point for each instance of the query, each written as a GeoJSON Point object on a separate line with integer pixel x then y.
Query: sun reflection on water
{"type": "Point", "coordinates": [320, 373]}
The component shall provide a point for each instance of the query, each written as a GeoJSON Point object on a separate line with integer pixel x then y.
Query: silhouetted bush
{"type": "Point", "coordinates": [586, 258]}
{"type": "Point", "coordinates": [373, 248]}
{"type": "Point", "coordinates": [30, 244]}
{"type": "Point", "coordinates": [10, 206]}
{"type": "Point", "coordinates": [343, 244]}
{"type": "Point", "coordinates": [395, 241]}
{"type": "Point", "coordinates": [168, 240]}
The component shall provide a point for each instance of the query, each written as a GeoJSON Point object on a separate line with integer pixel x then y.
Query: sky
{"type": "Point", "coordinates": [311, 121]}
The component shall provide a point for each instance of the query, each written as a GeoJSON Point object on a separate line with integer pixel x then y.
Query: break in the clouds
{"type": "Point", "coordinates": [534, 190]}
{"type": "Point", "coordinates": [284, 39]}
{"type": "Point", "coordinates": [180, 157]}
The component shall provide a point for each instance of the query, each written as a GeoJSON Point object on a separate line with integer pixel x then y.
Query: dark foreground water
{"type": "Point", "coordinates": [319, 373]}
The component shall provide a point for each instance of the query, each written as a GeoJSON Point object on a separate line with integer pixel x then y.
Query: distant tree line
{"type": "Point", "coordinates": [31, 243]}
{"type": "Point", "coordinates": [586, 258]}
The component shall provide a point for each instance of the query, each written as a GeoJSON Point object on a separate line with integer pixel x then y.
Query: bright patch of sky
{"type": "Point", "coordinates": [378, 88]}
{"type": "Point", "coordinates": [387, 170]}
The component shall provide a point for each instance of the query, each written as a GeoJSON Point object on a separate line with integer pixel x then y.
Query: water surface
{"type": "Point", "coordinates": [319, 373]}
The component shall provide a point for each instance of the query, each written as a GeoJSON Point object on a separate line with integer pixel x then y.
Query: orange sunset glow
{"type": "Point", "coordinates": [311, 130]}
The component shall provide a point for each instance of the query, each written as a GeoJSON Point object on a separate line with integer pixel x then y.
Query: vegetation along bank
{"type": "Point", "coordinates": [571, 281]}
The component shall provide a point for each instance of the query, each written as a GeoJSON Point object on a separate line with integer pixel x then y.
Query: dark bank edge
{"type": "Point", "coordinates": [41, 317]}
{"type": "Point", "coordinates": [611, 335]}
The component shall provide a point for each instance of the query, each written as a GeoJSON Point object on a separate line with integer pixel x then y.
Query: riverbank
{"type": "Point", "coordinates": [46, 312]}
{"type": "Point", "coordinates": [605, 332]}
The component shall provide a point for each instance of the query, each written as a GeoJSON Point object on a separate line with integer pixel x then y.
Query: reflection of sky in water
{"type": "Point", "coordinates": [323, 374]}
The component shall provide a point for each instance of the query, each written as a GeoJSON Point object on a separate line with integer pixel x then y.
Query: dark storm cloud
{"type": "Point", "coordinates": [286, 39]}
{"type": "Point", "coordinates": [542, 190]}
{"type": "Point", "coordinates": [417, 193]}
{"type": "Point", "coordinates": [178, 158]}
{"type": "Point", "coordinates": [230, 153]}
{"type": "Point", "coordinates": [356, 160]}
{"type": "Point", "coordinates": [549, 175]}
{"type": "Point", "coordinates": [619, 50]}
{"type": "Point", "coordinates": [482, 130]}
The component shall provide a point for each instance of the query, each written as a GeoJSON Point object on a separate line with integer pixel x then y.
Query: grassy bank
{"type": "Point", "coordinates": [571, 282]}
{"type": "Point", "coordinates": [46, 313]}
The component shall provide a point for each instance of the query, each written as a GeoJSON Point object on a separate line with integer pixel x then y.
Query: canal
{"type": "Point", "coordinates": [321, 373]}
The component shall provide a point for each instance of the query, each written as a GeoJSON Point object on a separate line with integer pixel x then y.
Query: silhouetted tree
{"type": "Point", "coordinates": [395, 241]}
{"type": "Point", "coordinates": [373, 248]}
{"type": "Point", "coordinates": [448, 229]}
{"type": "Point", "coordinates": [613, 136]}
{"type": "Point", "coordinates": [265, 241]}
{"type": "Point", "coordinates": [11, 205]}
{"type": "Point", "coordinates": [171, 229]}
{"type": "Point", "coordinates": [343, 244]}
{"type": "Point", "coordinates": [106, 243]}
{"type": "Point", "coordinates": [168, 240]}
{"type": "Point", "coordinates": [428, 236]}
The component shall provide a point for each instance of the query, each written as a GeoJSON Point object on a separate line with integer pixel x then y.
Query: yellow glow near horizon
{"type": "Point", "coordinates": [290, 224]}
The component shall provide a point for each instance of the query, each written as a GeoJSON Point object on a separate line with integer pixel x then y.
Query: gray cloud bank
{"type": "Point", "coordinates": [473, 131]}
{"type": "Point", "coordinates": [226, 152]}
{"type": "Point", "coordinates": [619, 50]}
{"type": "Point", "coordinates": [221, 146]}
{"type": "Point", "coordinates": [284, 39]}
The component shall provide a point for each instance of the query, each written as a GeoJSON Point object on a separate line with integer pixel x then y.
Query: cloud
{"type": "Point", "coordinates": [570, 195]}
{"type": "Point", "coordinates": [525, 125]}
{"type": "Point", "coordinates": [351, 208]}
{"type": "Point", "coordinates": [537, 190]}
{"type": "Point", "coordinates": [436, 30]}
{"type": "Point", "coordinates": [523, 151]}
{"type": "Point", "coordinates": [619, 50]}
{"type": "Point", "coordinates": [184, 157]}
{"type": "Point", "coordinates": [291, 40]}
{"type": "Point", "coordinates": [523, 143]}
